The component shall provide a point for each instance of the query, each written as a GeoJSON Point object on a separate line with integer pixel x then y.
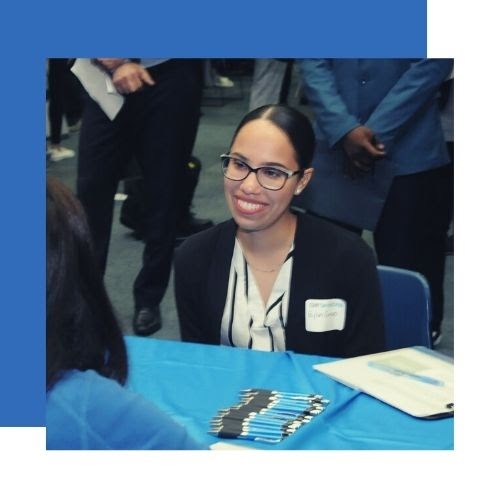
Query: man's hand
{"type": "Point", "coordinates": [362, 149]}
{"type": "Point", "coordinates": [131, 77]}
{"type": "Point", "coordinates": [128, 76]}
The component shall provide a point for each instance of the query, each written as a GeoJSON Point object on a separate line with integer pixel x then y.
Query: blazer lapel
{"type": "Point", "coordinates": [218, 275]}
{"type": "Point", "coordinates": [299, 283]}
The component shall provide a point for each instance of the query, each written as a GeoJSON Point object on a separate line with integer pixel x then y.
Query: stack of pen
{"type": "Point", "coordinates": [267, 416]}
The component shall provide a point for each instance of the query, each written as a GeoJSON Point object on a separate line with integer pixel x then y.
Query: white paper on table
{"type": "Point", "coordinates": [410, 395]}
{"type": "Point", "coordinates": [99, 86]}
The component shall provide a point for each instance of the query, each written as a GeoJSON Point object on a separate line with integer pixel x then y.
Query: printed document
{"type": "Point", "coordinates": [415, 379]}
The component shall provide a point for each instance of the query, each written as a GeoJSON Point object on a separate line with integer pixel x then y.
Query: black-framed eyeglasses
{"type": "Point", "coordinates": [268, 176]}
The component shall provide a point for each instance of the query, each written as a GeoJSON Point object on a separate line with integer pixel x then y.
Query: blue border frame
{"type": "Point", "coordinates": [31, 33]}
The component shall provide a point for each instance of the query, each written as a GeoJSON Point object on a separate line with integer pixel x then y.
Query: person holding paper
{"type": "Point", "coordinates": [272, 279]}
{"type": "Point", "coordinates": [87, 406]}
{"type": "Point", "coordinates": [158, 105]}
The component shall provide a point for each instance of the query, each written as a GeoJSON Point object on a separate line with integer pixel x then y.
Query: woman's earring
{"type": "Point", "coordinates": [297, 191]}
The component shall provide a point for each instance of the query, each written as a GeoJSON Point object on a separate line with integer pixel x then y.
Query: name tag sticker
{"type": "Point", "coordinates": [323, 315]}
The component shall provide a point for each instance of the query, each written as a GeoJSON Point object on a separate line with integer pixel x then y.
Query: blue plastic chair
{"type": "Point", "coordinates": [407, 307]}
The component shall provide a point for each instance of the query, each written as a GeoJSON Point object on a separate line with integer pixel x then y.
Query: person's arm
{"type": "Point", "coordinates": [187, 295]}
{"type": "Point", "coordinates": [128, 75]}
{"type": "Point", "coordinates": [89, 411]}
{"type": "Point", "coordinates": [152, 428]}
{"type": "Point", "coordinates": [362, 149]}
{"type": "Point", "coordinates": [335, 121]}
{"type": "Point", "coordinates": [416, 87]}
{"type": "Point", "coordinates": [330, 111]}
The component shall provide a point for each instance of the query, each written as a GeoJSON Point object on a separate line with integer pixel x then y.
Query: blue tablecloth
{"type": "Point", "coordinates": [192, 382]}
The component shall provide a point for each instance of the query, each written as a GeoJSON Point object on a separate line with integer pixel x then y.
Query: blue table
{"type": "Point", "coordinates": [192, 382]}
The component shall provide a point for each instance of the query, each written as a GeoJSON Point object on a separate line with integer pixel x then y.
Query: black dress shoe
{"type": "Point", "coordinates": [147, 320]}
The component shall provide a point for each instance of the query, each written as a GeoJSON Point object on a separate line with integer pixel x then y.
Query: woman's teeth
{"type": "Point", "coordinates": [249, 207]}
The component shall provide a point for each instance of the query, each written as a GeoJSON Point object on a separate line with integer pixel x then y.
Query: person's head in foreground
{"type": "Point", "coordinates": [82, 330]}
{"type": "Point", "coordinates": [87, 405]}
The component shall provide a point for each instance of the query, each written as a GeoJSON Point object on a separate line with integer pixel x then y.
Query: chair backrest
{"type": "Point", "coordinates": [407, 307]}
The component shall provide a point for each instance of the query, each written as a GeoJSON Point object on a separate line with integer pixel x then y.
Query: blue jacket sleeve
{"type": "Point", "coordinates": [416, 87]}
{"type": "Point", "coordinates": [330, 111]}
{"type": "Point", "coordinates": [87, 411]}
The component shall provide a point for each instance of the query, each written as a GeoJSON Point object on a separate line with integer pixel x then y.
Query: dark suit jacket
{"type": "Point", "coordinates": [329, 262]}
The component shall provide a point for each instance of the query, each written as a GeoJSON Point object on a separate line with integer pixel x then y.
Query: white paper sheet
{"type": "Point", "coordinates": [420, 383]}
{"type": "Point", "coordinates": [99, 86]}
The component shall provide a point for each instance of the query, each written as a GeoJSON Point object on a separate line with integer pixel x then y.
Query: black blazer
{"type": "Point", "coordinates": [329, 262]}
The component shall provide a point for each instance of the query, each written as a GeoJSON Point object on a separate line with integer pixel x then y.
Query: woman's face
{"type": "Point", "coordinates": [253, 207]}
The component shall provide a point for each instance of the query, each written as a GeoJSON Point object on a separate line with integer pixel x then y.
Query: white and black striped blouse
{"type": "Point", "coordinates": [247, 322]}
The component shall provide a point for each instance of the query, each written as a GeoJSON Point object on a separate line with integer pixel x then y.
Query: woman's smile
{"type": "Point", "coordinates": [252, 206]}
{"type": "Point", "coordinates": [247, 206]}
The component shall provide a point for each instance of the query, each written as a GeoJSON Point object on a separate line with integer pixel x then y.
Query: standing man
{"type": "Point", "coordinates": [156, 124]}
{"type": "Point", "coordinates": [270, 82]}
{"type": "Point", "coordinates": [381, 162]}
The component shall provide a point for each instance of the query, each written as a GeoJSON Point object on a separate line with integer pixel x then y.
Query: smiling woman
{"type": "Point", "coordinates": [258, 280]}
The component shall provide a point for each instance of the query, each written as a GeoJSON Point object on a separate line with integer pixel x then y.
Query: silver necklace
{"type": "Point", "coordinates": [273, 270]}
{"type": "Point", "coordinates": [264, 270]}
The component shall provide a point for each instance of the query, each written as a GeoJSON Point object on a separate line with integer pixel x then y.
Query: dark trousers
{"type": "Point", "coordinates": [156, 126]}
{"type": "Point", "coordinates": [412, 229]}
{"type": "Point", "coordinates": [65, 98]}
